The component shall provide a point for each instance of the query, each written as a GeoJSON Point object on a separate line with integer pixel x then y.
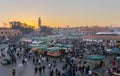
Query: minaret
{"type": "Point", "coordinates": [39, 24]}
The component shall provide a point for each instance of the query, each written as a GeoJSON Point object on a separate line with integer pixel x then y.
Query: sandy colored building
{"type": "Point", "coordinates": [94, 29]}
{"type": "Point", "coordinates": [103, 36]}
{"type": "Point", "coordinates": [6, 32]}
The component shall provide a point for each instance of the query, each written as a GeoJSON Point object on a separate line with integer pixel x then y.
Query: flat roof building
{"type": "Point", "coordinates": [7, 32]}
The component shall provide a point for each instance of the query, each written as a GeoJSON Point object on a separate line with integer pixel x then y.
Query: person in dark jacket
{"type": "Point", "coordinates": [40, 69]}
{"type": "Point", "coordinates": [35, 71]}
{"type": "Point", "coordinates": [13, 72]}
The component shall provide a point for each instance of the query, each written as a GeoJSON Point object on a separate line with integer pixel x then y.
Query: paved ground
{"type": "Point", "coordinates": [28, 70]}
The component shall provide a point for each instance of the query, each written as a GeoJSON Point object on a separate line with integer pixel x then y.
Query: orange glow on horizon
{"type": "Point", "coordinates": [51, 22]}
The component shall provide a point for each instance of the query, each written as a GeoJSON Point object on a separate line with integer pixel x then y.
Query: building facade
{"type": "Point", "coordinates": [93, 30]}
{"type": "Point", "coordinates": [6, 32]}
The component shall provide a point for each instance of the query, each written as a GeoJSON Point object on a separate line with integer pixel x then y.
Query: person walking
{"type": "Point", "coordinates": [40, 69]}
{"type": "Point", "coordinates": [90, 73]}
{"type": "Point", "coordinates": [43, 68]}
{"type": "Point", "coordinates": [35, 71]}
{"type": "Point", "coordinates": [13, 72]}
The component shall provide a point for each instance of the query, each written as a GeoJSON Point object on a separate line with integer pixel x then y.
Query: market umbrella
{"type": "Point", "coordinates": [114, 51]}
{"type": "Point", "coordinates": [95, 57]}
{"type": "Point", "coordinates": [118, 58]}
{"type": "Point", "coordinates": [53, 49]}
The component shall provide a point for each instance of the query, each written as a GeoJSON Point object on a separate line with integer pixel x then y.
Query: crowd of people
{"type": "Point", "coordinates": [73, 63]}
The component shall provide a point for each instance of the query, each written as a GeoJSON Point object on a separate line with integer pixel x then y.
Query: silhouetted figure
{"type": "Point", "coordinates": [40, 69]}
{"type": "Point", "coordinates": [43, 68]}
{"type": "Point", "coordinates": [13, 72]}
{"type": "Point", "coordinates": [35, 71]}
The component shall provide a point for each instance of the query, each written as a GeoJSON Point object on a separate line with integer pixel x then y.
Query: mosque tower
{"type": "Point", "coordinates": [39, 24]}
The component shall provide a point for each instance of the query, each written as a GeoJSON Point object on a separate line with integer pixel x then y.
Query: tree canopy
{"type": "Point", "coordinates": [25, 28]}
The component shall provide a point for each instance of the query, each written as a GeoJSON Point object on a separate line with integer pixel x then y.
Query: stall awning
{"type": "Point", "coordinates": [52, 49]}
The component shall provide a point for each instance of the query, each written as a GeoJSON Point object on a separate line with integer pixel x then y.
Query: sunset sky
{"type": "Point", "coordinates": [60, 13]}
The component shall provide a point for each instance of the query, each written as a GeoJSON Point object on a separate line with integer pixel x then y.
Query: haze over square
{"type": "Point", "coordinates": [61, 13]}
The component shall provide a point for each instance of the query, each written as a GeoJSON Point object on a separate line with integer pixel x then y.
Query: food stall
{"type": "Point", "coordinates": [54, 51]}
